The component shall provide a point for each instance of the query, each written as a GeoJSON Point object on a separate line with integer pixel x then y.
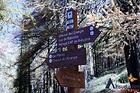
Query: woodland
{"type": "Point", "coordinates": [28, 29]}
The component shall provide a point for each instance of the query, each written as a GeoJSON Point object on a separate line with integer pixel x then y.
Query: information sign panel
{"type": "Point", "coordinates": [70, 78]}
{"type": "Point", "coordinates": [67, 59]}
{"type": "Point", "coordinates": [81, 36]}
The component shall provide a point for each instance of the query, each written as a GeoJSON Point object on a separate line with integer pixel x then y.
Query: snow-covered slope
{"type": "Point", "coordinates": [99, 84]}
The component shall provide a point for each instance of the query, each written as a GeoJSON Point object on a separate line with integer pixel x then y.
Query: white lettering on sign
{"type": "Point", "coordinates": [72, 37]}
{"type": "Point", "coordinates": [71, 41]}
{"type": "Point", "coordinates": [81, 36]}
{"type": "Point", "coordinates": [57, 55]}
{"type": "Point", "coordinates": [71, 33]}
{"type": "Point", "coordinates": [60, 59]}
{"type": "Point", "coordinates": [67, 58]}
{"type": "Point", "coordinates": [63, 35]}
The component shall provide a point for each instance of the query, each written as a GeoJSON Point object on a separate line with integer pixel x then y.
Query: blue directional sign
{"type": "Point", "coordinates": [67, 58]}
{"type": "Point", "coordinates": [81, 36]}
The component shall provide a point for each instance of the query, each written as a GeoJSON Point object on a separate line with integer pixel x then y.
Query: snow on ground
{"type": "Point", "coordinates": [99, 84]}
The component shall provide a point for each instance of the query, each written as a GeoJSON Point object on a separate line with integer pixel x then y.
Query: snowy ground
{"type": "Point", "coordinates": [97, 85]}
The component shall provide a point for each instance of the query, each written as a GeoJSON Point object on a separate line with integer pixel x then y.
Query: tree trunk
{"type": "Point", "coordinates": [132, 63]}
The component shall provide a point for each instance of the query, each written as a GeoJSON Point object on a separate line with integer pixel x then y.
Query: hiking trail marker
{"type": "Point", "coordinates": [81, 36]}
{"type": "Point", "coordinates": [67, 59]}
{"type": "Point", "coordinates": [70, 78]}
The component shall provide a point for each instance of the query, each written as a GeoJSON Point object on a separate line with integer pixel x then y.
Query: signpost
{"type": "Point", "coordinates": [70, 78]}
{"type": "Point", "coordinates": [81, 36]}
{"type": "Point", "coordinates": [72, 26]}
{"type": "Point", "coordinates": [67, 59]}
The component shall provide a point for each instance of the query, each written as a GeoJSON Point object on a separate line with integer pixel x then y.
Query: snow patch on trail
{"type": "Point", "coordinates": [99, 84]}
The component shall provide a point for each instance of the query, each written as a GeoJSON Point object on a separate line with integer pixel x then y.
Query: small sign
{"type": "Point", "coordinates": [71, 19]}
{"type": "Point", "coordinates": [81, 36]}
{"type": "Point", "coordinates": [67, 59]}
{"type": "Point", "coordinates": [70, 78]}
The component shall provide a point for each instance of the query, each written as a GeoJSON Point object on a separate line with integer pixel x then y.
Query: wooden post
{"type": "Point", "coordinates": [132, 63]}
{"type": "Point", "coordinates": [75, 27]}
{"type": "Point", "coordinates": [73, 90]}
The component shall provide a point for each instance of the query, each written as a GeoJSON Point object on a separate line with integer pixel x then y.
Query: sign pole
{"type": "Point", "coordinates": [71, 89]}
{"type": "Point", "coordinates": [68, 75]}
{"type": "Point", "coordinates": [72, 17]}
